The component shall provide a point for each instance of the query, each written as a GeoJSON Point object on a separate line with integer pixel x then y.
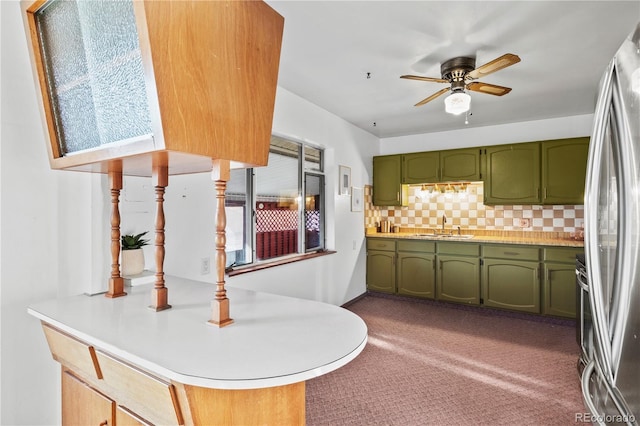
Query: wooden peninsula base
{"type": "Point", "coordinates": [124, 364]}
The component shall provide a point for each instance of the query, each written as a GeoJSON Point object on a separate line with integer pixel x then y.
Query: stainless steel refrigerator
{"type": "Point", "coordinates": [611, 378]}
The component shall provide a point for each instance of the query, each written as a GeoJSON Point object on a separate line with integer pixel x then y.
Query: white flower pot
{"type": "Point", "coordinates": [132, 262]}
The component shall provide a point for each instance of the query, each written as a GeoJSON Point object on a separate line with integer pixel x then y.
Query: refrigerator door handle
{"type": "Point", "coordinates": [591, 246]}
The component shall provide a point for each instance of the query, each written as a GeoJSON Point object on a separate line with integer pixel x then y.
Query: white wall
{"type": "Point", "coordinates": [46, 221]}
{"type": "Point", "coordinates": [555, 128]}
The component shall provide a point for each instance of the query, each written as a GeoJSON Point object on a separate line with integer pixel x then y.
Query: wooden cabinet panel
{"type": "Point", "coordinates": [72, 353]}
{"type": "Point", "coordinates": [511, 284]}
{"type": "Point", "coordinates": [82, 405]}
{"type": "Point", "coordinates": [507, 251]}
{"type": "Point", "coordinates": [564, 168]}
{"type": "Point", "coordinates": [416, 274]}
{"type": "Point", "coordinates": [560, 289]}
{"type": "Point", "coordinates": [381, 244]}
{"type": "Point", "coordinates": [206, 102]}
{"type": "Point", "coordinates": [148, 396]}
{"type": "Point", "coordinates": [513, 174]}
{"type": "Point", "coordinates": [458, 279]}
{"type": "Point", "coordinates": [381, 271]}
{"type": "Point", "coordinates": [417, 246]}
{"type": "Point", "coordinates": [125, 417]}
{"type": "Point", "coordinates": [465, 249]}
{"type": "Point", "coordinates": [559, 285]}
{"type": "Point", "coordinates": [387, 188]}
{"type": "Point", "coordinates": [441, 166]}
{"type": "Point", "coordinates": [421, 167]}
{"type": "Point", "coordinates": [460, 165]}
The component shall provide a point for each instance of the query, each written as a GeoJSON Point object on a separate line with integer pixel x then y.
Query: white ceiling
{"type": "Point", "coordinates": [564, 46]}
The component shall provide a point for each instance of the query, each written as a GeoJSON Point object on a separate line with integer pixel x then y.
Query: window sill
{"type": "Point", "coordinates": [277, 262]}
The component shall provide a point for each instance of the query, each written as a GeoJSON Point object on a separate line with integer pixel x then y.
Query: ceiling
{"type": "Point", "coordinates": [330, 47]}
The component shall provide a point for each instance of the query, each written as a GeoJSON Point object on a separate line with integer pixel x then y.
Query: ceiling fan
{"type": "Point", "coordinates": [459, 73]}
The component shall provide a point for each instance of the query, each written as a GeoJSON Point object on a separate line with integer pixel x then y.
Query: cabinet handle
{"type": "Point", "coordinates": [545, 192]}
{"type": "Point", "coordinates": [398, 196]}
{"type": "Point", "coordinates": [441, 265]}
{"type": "Point", "coordinates": [511, 253]}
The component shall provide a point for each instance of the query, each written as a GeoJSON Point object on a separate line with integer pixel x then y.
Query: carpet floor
{"type": "Point", "coordinates": [429, 363]}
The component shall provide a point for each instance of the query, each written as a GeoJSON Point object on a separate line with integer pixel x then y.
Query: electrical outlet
{"type": "Point", "coordinates": [524, 223]}
{"type": "Point", "coordinates": [205, 265]}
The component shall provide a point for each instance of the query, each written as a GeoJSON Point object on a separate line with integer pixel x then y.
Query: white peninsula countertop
{"type": "Point", "coordinates": [274, 340]}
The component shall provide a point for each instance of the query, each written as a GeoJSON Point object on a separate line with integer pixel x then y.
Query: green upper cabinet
{"type": "Point", "coordinates": [387, 188]}
{"type": "Point", "coordinates": [460, 165]}
{"type": "Point", "coordinates": [564, 168]}
{"type": "Point", "coordinates": [513, 174]}
{"type": "Point", "coordinates": [421, 167]}
{"type": "Point", "coordinates": [441, 166]}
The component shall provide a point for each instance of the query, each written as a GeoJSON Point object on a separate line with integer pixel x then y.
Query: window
{"type": "Point", "coordinates": [276, 210]}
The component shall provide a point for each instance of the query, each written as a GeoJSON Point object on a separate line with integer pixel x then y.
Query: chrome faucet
{"type": "Point", "coordinates": [444, 220]}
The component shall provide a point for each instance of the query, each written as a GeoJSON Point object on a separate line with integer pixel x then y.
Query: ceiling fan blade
{"type": "Point", "coordinates": [497, 64]}
{"type": "Point", "coordinates": [417, 77]}
{"type": "Point", "coordinates": [432, 97]}
{"type": "Point", "coordinates": [490, 89]}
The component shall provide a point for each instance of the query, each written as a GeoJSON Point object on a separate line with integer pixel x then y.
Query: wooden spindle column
{"type": "Point", "coordinates": [220, 305]}
{"type": "Point", "coordinates": [159, 294]}
{"type": "Point", "coordinates": [116, 282]}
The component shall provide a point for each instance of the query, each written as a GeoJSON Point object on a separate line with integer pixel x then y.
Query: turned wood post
{"type": "Point", "coordinates": [116, 282]}
{"type": "Point", "coordinates": [220, 305]}
{"type": "Point", "coordinates": [159, 294]}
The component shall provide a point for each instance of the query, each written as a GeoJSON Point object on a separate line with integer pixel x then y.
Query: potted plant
{"type": "Point", "coordinates": [132, 254]}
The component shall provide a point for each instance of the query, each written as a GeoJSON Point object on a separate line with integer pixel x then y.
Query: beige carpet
{"type": "Point", "coordinates": [428, 363]}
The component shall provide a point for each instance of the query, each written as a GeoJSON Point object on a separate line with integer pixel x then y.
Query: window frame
{"type": "Point", "coordinates": [250, 246]}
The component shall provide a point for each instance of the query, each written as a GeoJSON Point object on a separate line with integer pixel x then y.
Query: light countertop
{"type": "Point", "coordinates": [274, 340]}
{"type": "Point", "coordinates": [502, 237]}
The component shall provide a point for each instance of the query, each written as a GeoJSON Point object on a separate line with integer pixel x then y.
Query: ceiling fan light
{"type": "Point", "coordinates": [457, 103]}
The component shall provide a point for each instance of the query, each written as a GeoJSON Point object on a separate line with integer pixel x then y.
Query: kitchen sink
{"type": "Point", "coordinates": [446, 236]}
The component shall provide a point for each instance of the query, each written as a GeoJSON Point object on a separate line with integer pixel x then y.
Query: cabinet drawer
{"type": "Point", "coordinates": [464, 249]}
{"type": "Point", "coordinates": [72, 353]}
{"type": "Point", "coordinates": [505, 251]}
{"type": "Point", "coordinates": [561, 254]}
{"type": "Point", "coordinates": [380, 244]}
{"type": "Point", "coordinates": [419, 246]}
{"type": "Point", "coordinates": [149, 397]}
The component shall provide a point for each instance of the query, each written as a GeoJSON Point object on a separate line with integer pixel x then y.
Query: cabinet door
{"type": "Point", "coordinates": [460, 165]}
{"type": "Point", "coordinates": [381, 271]}
{"type": "Point", "coordinates": [416, 274]}
{"type": "Point", "coordinates": [513, 174]}
{"type": "Point", "coordinates": [387, 189]}
{"type": "Point", "coordinates": [124, 417]}
{"type": "Point", "coordinates": [560, 289]}
{"type": "Point", "coordinates": [459, 279]}
{"type": "Point", "coordinates": [421, 167]}
{"type": "Point", "coordinates": [511, 284]}
{"type": "Point", "coordinates": [564, 168]}
{"type": "Point", "coordinates": [82, 405]}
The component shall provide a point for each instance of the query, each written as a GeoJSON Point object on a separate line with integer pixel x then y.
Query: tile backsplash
{"type": "Point", "coordinates": [468, 211]}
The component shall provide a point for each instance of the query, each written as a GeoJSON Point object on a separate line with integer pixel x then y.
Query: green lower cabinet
{"type": "Point", "coordinates": [511, 284]}
{"type": "Point", "coordinates": [416, 274]}
{"type": "Point", "coordinates": [458, 279]}
{"type": "Point", "coordinates": [381, 271]}
{"type": "Point", "coordinates": [560, 290]}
